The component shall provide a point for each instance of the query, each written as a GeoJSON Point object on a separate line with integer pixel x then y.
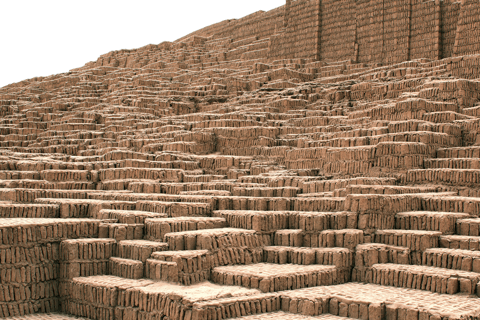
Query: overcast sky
{"type": "Point", "coordinates": [44, 37]}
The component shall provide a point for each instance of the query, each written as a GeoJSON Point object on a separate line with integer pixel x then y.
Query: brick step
{"type": "Point", "coordinates": [388, 205]}
{"type": "Point", "coordinates": [174, 175]}
{"type": "Point", "coordinates": [196, 301]}
{"type": "Point", "coordinates": [344, 238]}
{"type": "Point", "coordinates": [450, 203]}
{"type": "Point", "coordinates": [457, 177]}
{"type": "Point", "coordinates": [211, 239]}
{"type": "Point", "coordinates": [66, 175]}
{"type": "Point", "coordinates": [184, 267]}
{"type": "Point", "coordinates": [45, 316]}
{"type": "Point", "coordinates": [328, 204]}
{"type": "Point", "coordinates": [179, 188]}
{"type": "Point", "coordinates": [268, 221]}
{"type": "Point", "coordinates": [85, 208]}
{"type": "Point", "coordinates": [334, 184]}
{"type": "Point", "coordinates": [82, 295]}
{"type": "Point", "coordinates": [278, 277]}
{"type": "Point", "coordinates": [376, 302]}
{"type": "Point", "coordinates": [202, 178]}
{"type": "Point", "coordinates": [323, 194]}
{"type": "Point", "coordinates": [440, 280]}
{"type": "Point", "coordinates": [126, 268]}
{"type": "Point", "coordinates": [20, 175]}
{"type": "Point", "coordinates": [121, 231]}
{"type": "Point", "coordinates": [445, 222]}
{"type": "Point", "coordinates": [176, 209]}
{"type": "Point", "coordinates": [286, 192]}
{"type": "Point", "coordinates": [129, 216]}
{"type": "Point", "coordinates": [375, 189]}
{"type": "Point", "coordinates": [17, 210]}
{"type": "Point", "coordinates": [452, 163]}
{"type": "Point", "coordinates": [237, 307]}
{"type": "Point", "coordinates": [339, 257]}
{"type": "Point", "coordinates": [219, 193]}
{"type": "Point", "coordinates": [368, 254]}
{"type": "Point", "coordinates": [37, 231]}
{"type": "Point", "coordinates": [456, 259]}
{"type": "Point", "coordinates": [459, 152]}
{"type": "Point", "coordinates": [85, 257]}
{"type": "Point", "coordinates": [280, 315]}
{"type": "Point", "coordinates": [22, 195]}
{"type": "Point", "coordinates": [139, 249]}
{"type": "Point", "coordinates": [460, 242]}
{"type": "Point", "coordinates": [468, 227]}
{"type": "Point", "coordinates": [48, 185]}
{"type": "Point", "coordinates": [415, 240]}
{"type": "Point", "coordinates": [156, 229]}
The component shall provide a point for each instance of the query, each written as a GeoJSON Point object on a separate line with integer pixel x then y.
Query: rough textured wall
{"type": "Point", "coordinates": [467, 39]}
{"type": "Point", "coordinates": [370, 30]}
{"type": "Point", "coordinates": [365, 31]}
{"type": "Point", "coordinates": [396, 31]}
{"type": "Point", "coordinates": [301, 37]}
{"type": "Point", "coordinates": [425, 30]}
{"type": "Point", "coordinates": [449, 17]}
{"type": "Point", "coordinates": [338, 30]}
{"type": "Point", "coordinates": [260, 24]}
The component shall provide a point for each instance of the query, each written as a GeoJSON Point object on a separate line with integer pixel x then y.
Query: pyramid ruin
{"type": "Point", "coordinates": [317, 161]}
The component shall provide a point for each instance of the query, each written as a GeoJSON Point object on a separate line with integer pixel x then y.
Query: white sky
{"type": "Point", "coordinates": [44, 37]}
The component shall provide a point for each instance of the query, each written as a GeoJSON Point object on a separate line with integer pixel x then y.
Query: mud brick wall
{"type": "Point", "coordinates": [467, 40]}
{"type": "Point", "coordinates": [396, 29]}
{"type": "Point", "coordinates": [370, 25]}
{"type": "Point", "coordinates": [425, 30]}
{"type": "Point", "coordinates": [259, 24]}
{"type": "Point", "coordinates": [450, 11]}
{"type": "Point", "coordinates": [85, 257]}
{"type": "Point", "coordinates": [338, 30]}
{"type": "Point", "coordinates": [302, 36]}
{"type": "Point", "coordinates": [377, 31]}
{"type": "Point", "coordinates": [29, 262]}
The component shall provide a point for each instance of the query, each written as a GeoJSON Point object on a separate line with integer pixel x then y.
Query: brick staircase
{"type": "Point", "coordinates": [225, 176]}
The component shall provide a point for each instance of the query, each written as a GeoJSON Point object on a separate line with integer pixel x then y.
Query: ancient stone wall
{"type": "Point", "coordinates": [338, 30]}
{"type": "Point", "coordinates": [364, 31]}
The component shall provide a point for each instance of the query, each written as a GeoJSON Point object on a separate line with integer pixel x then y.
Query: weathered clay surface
{"type": "Point", "coordinates": [318, 161]}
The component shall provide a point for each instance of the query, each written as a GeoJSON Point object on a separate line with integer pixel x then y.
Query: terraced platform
{"type": "Point", "coordinates": [317, 161]}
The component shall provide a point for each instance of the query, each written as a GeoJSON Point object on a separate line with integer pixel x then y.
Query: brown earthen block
{"type": "Point", "coordinates": [29, 211]}
{"type": "Point", "coordinates": [444, 222]}
{"type": "Point", "coordinates": [126, 268]}
{"type": "Point", "coordinates": [139, 249]}
{"type": "Point", "coordinates": [340, 257]}
{"type": "Point", "coordinates": [369, 254]}
{"type": "Point", "coordinates": [128, 216]}
{"type": "Point", "coordinates": [70, 270]}
{"type": "Point", "coordinates": [261, 221]}
{"type": "Point", "coordinates": [120, 231]}
{"type": "Point", "coordinates": [176, 209]}
{"type": "Point", "coordinates": [87, 249]}
{"type": "Point", "coordinates": [415, 240]}
{"type": "Point", "coordinates": [156, 229]}
{"type": "Point", "coordinates": [424, 278]}
{"type": "Point", "coordinates": [277, 277]}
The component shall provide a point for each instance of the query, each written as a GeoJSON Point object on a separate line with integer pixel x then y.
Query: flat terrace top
{"type": "Point", "coordinates": [45, 316]}
{"type": "Point", "coordinates": [204, 291]}
{"type": "Point", "coordinates": [289, 316]}
{"type": "Point", "coordinates": [266, 270]}
{"type": "Point", "coordinates": [112, 282]}
{"type": "Point", "coordinates": [372, 293]}
{"type": "Point", "coordinates": [23, 222]}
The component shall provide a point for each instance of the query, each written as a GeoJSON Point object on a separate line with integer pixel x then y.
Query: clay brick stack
{"type": "Point", "coordinates": [318, 160]}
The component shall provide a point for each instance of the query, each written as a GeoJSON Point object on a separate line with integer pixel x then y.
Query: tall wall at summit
{"type": "Point", "coordinates": [364, 31]}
